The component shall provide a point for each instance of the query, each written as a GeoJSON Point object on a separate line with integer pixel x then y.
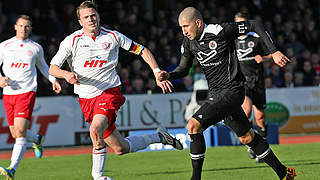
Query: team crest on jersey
{"type": "Point", "coordinates": [250, 44]}
{"type": "Point", "coordinates": [29, 53]}
{"type": "Point", "coordinates": [106, 45]}
{"type": "Point", "coordinates": [212, 45]}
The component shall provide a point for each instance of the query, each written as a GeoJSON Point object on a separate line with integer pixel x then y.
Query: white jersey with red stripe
{"type": "Point", "coordinates": [94, 59]}
{"type": "Point", "coordinates": [20, 59]}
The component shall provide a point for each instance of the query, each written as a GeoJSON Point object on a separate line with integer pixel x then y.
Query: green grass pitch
{"type": "Point", "coordinates": [221, 163]}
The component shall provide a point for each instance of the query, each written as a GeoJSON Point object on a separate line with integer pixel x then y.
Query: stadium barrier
{"type": "Point", "coordinates": [60, 120]}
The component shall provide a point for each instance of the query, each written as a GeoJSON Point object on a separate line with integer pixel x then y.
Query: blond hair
{"type": "Point", "coordinates": [25, 17]}
{"type": "Point", "coordinates": [86, 4]}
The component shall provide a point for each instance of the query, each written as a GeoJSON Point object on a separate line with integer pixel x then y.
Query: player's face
{"type": "Point", "coordinates": [23, 28]}
{"type": "Point", "coordinates": [190, 29]}
{"type": "Point", "coordinates": [89, 20]}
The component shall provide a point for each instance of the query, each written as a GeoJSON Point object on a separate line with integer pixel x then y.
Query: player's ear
{"type": "Point", "coordinates": [199, 22]}
{"type": "Point", "coordinates": [79, 22]}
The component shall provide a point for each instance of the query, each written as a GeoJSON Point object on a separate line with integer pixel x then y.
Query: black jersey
{"type": "Point", "coordinates": [216, 53]}
{"type": "Point", "coordinates": [249, 46]}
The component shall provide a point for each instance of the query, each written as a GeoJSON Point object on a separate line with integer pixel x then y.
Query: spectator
{"type": "Point", "coordinates": [138, 86]}
{"type": "Point", "coordinates": [288, 80]}
{"type": "Point", "coordinates": [298, 79]}
{"type": "Point", "coordinates": [188, 83]}
{"type": "Point", "coordinates": [268, 82]}
{"type": "Point", "coordinates": [276, 75]}
{"type": "Point", "coordinates": [152, 87]}
{"type": "Point", "coordinates": [294, 25]}
{"type": "Point", "coordinates": [317, 80]}
{"type": "Point", "coordinates": [126, 87]}
{"type": "Point", "coordinates": [308, 74]}
{"type": "Point", "coordinates": [315, 62]}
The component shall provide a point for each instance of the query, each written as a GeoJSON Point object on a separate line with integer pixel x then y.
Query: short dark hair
{"type": "Point", "coordinates": [243, 14]}
{"type": "Point", "coordinates": [25, 17]}
{"type": "Point", "coordinates": [86, 4]}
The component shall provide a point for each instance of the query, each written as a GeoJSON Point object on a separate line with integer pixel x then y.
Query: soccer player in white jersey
{"type": "Point", "coordinates": [92, 54]}
{"type": "Point", "coordinates": [19, 57]}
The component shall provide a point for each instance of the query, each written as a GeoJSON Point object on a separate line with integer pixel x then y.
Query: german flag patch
{"type": "Point", "coordinates": [136, 48]}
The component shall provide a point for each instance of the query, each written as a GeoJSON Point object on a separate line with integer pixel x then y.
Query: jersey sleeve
{"type": "Point", "coordinates": [43, 66]}
{"type": "Point", "coordinates": [263, 50]}
{"type": "Point", "coordinates": [185, 61]}
{"type": "Point", "coordinates": [129, 45]}
{"type": "Point", "coordinates": [63, 53]}
{"type": "Point", "coordinates": [235, 29]}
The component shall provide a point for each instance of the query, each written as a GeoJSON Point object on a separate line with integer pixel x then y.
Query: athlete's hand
{"type": "Point", "coordinates": [280, 58]}
{"type": "Point", "coordinates": [3, 81]}
{"type": "Point", "coordinates": [166, 86]}
{"type": "Point", "coordinates": [258, 59]}
{"type": "Point", "coordinates": [56, 87]}
{"type": "Point", "coordinates": [162, 76]}
{"type": "Point", "coordinates": [71, 78]}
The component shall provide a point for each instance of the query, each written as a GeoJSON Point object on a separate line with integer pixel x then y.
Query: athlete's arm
{"type": "Point", "coordinates": [235, 29]}
{"type": "Point", "coordinates": [259, 59]}
{"type": "Point", "coordinates": [150, 60]}
{"type": "Point", "coordinates": [183, 69]}
{"type": "Point", "coordinates": [277, 56]}
{"type": "Point", "coordinates": [138, 49]}
{"type": "Point", "coordinates": [57, 72]}
{"type": "Point", "coordinates": [185, 62]}
{"type": "Point", "coordinates": [63, 53]}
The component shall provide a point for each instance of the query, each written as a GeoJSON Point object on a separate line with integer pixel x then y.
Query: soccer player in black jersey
{"type": "Point", "coordinates": [214, 48]}
{"type": "Point", "coordinates": [250, 48]}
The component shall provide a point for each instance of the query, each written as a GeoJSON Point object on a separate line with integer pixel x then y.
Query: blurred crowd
{"type": "Point", "coordinates": [293, 24]}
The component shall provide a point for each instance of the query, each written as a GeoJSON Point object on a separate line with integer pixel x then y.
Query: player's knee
{"type": "Point", "coordinates": [20, 132]}
{"type": "Point", "coordinates": [119, 150]}
{"type": "Point", "coordinates": [247, 138]}
{"type": "Point", "coordinates": [95, 131]}
{"type": "Point", "coordinates": [193, 126]}
{"type": "Point", "coordinates": [260, 118]}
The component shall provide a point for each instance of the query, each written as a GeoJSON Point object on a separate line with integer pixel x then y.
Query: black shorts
{"type": "Point", "coordinates": [224, 105]}
{"type": "Point", "coordinates": [256, 91]}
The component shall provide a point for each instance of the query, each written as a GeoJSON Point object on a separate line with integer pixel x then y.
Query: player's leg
{"type": "Point", "coordinates": [101, 111]}
{"type": "Point", "coordinates": [261, 123]}
{"type": "Point", "coordinates": [9, 109]}
{"type": "Point", "coordinates": [259, 106]}
{"type": "Point", "coordinates": [264, 152]}
{"type": "Point", "coordinates": [99, 153]}
{"type": "Point", "coordinates": [241, 126]}
{"type": "Point", "coordinates": [137, 143]}
{"type": "Point", "coordinates": [247, 106]}
{"type": "Point", "coordinates": [197, 147]}
{"type": "Point", "coordinates": [131, 144]}
{"type": "Point", "coordinates": [220, 105]}
{"type": "Point", "coordinates": [20, 145]}
{"type": "Point", "coordinates": [262, 126]}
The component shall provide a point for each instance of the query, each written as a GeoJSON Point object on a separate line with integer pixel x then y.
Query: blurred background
{"type": "Point", "coordinates": [293, 93]}
{"type": "Point", "coordinates": [294, 26]}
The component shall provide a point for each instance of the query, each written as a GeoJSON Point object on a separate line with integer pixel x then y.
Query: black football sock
{"type": "Point", "coordinates": [263, 151]}
{"type": "Point", "coordinates": [197, 153]}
